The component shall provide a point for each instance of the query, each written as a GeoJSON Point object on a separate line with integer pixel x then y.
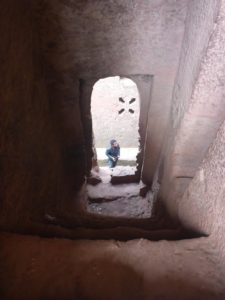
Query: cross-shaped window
{"type": "Point", "coordinates": [127, 105]}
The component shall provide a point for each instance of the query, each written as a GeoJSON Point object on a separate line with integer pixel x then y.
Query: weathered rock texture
{"type": "Point", "coordinates": [32, 168]}
{"type": "Point", "coordinates": [41, 149]}
{"type": "Point", "coordinates": [205, 110]}
{"type": "Point", "coordinates": [137, 269]}
{"type": "Point", "coordinates": [49, 48]}
{"type": "Point", "coordinates": [93, 40]}
{"type": "Point", "coordinates": [52, 52]}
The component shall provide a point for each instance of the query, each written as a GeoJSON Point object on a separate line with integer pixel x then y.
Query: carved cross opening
{"type": "Point", "coordinates": [126, 105]}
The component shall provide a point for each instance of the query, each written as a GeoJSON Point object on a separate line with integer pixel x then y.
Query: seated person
{"type": "Point", "coordinates": [113, 153]}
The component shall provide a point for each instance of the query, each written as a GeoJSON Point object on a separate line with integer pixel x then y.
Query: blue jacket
{"type": "Point", "coordinates": [114, 152]}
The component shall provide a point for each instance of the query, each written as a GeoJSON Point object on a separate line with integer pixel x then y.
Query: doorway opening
{"type": "Point", "coordinates": [115, 112]}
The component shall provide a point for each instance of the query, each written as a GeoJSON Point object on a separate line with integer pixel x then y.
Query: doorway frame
{"type": "Point", "coordinates": [144, 83]}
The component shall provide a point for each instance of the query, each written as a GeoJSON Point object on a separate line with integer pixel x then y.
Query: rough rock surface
{"type": "Point", "coordinates": [200, 116]}
{"type": "Point", "coordinates": [122, 200]}
{"type": "Point", "coordinates": [132, 207]}
{"type": "Point", "coordinates": [98, 270]}
{"type": "Point", "coordinates": [189, 269]}
{"type": "Point", "coordinates": [48, 49]}
{"type": "Point", "coordinates": [94, 178]}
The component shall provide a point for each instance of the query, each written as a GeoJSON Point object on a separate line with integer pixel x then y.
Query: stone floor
{"type": "Point", "coordinates": [50, 268]}
{"type": "Point", "coordinates": [121, 200]}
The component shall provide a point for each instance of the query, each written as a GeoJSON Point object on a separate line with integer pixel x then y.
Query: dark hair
{"type": "Point", "coordinates": [112, 142]}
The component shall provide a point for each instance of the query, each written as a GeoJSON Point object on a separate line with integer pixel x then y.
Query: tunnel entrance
{"type": "Point", "coordinates": [132, 101]}
{"type": "Point", "coordinates": [118, 193]}
{"type": "Point", "coordinates": [115, 111]}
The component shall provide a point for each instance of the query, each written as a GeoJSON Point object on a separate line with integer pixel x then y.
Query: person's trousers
{"type": "Point", "coordinates": [112, 163]}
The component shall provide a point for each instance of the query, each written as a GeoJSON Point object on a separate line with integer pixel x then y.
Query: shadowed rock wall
{"type": "Point", "coordinates": [95, 39]}
{"type": "Point", "coordinates": [198, 104]}
{"type": "Point", "coordinates": [37, 164]}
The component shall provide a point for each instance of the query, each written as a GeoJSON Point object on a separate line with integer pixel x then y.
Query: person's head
{"type": "Point", "coordinates": [113, 143]}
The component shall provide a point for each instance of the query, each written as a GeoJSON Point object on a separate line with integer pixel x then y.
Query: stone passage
{"type": "Point", "coordinates": [52, 54]}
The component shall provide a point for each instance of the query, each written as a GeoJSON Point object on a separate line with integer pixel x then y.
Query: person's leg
{"type": "Point", "coordinates": [115, 162]}
{"type": "Point", "coordinates": [110, 163]}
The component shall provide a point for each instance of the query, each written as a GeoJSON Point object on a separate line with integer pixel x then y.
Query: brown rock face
{"type": "Point", "coordinates": [94, 178]}
{"type": "Point", "coordinates": [52, 52]}
{"type": "Point", "coordinates": [41, 136]}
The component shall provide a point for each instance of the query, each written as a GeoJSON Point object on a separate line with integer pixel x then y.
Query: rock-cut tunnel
{"type": "Point", "coordinates": [155, 233]}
